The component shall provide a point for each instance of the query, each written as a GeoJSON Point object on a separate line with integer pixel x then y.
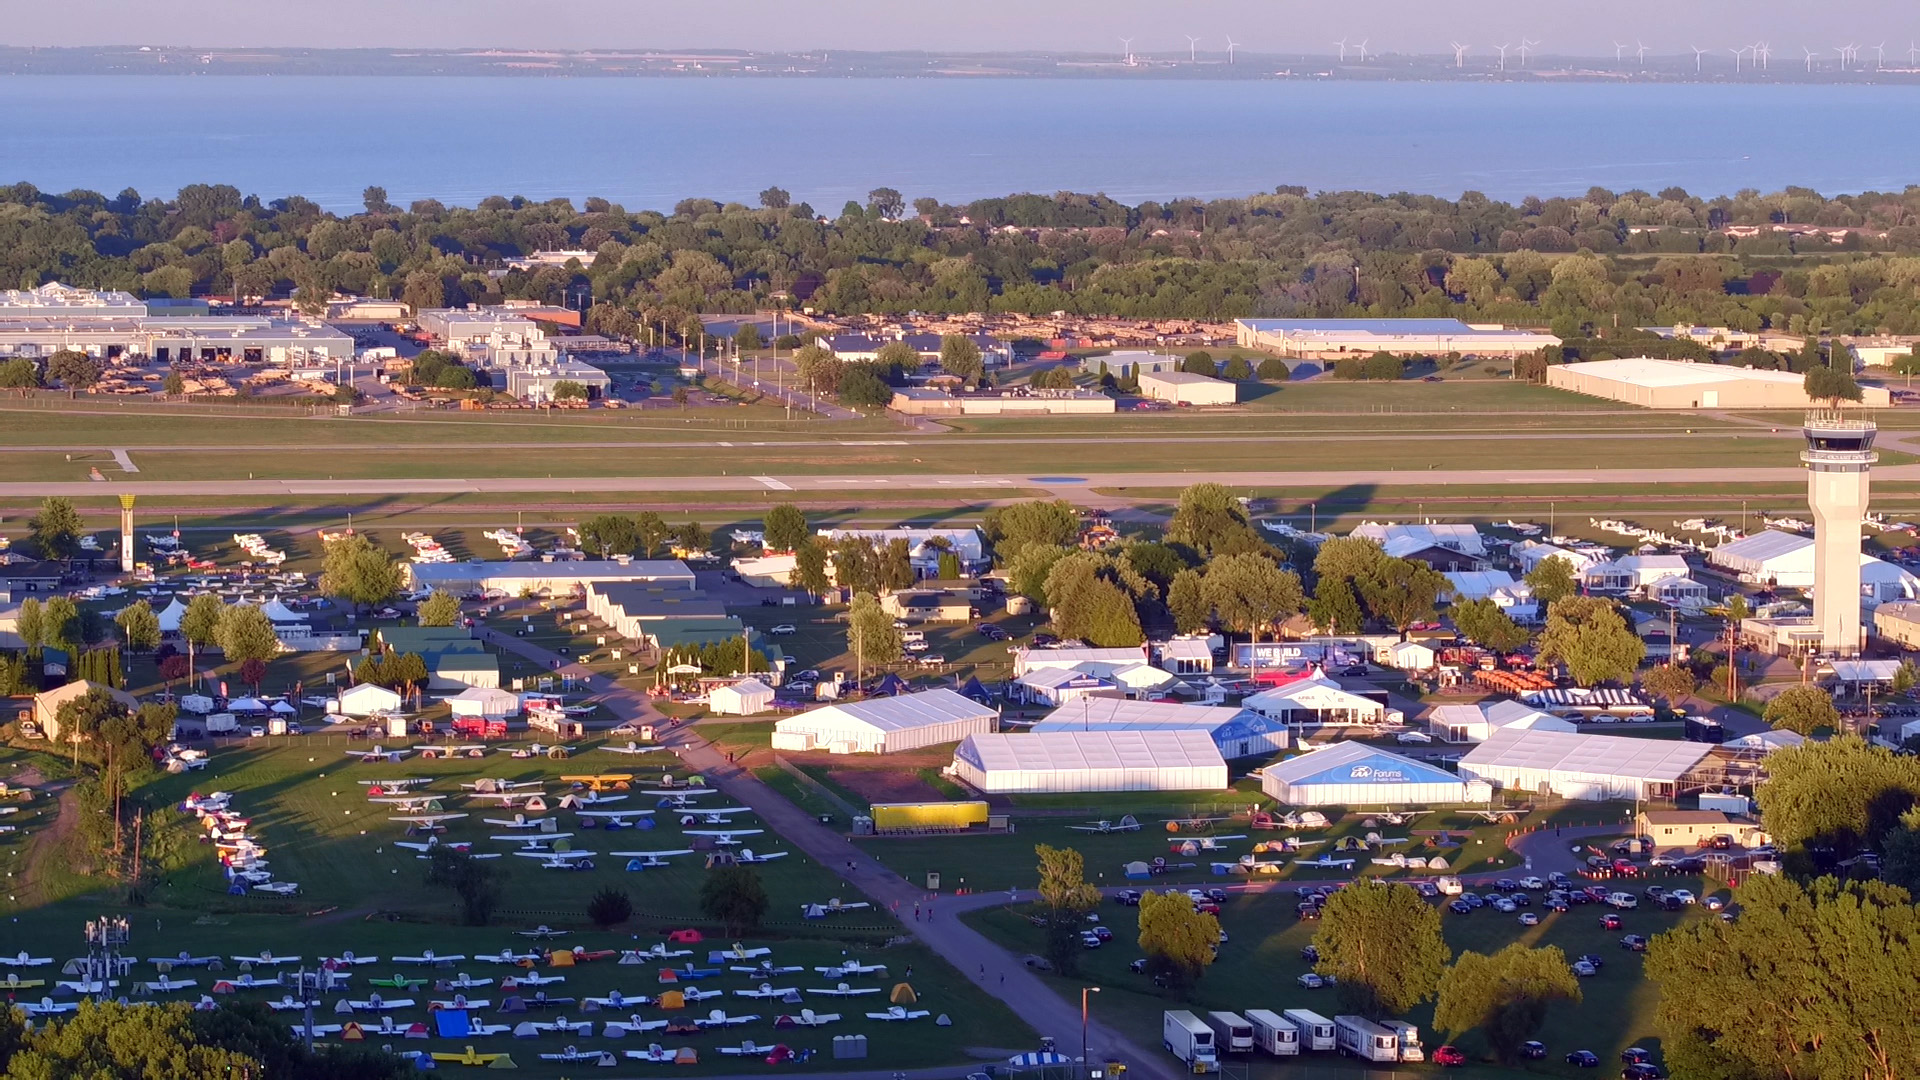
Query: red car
{"type": "Point", "coordinates": [1609, 922]}
{"type": "Point", "coordinates": [1449, 1056]}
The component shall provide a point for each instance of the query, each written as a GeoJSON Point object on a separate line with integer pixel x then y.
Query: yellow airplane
{"type": "Point", "coordinates": [474, 1057]}
{"type": "Point", "coordinates": [602, 782]}
{"type": "Point", "coordinates": [15, 982]}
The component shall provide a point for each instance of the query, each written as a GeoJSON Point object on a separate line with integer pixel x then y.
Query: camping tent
{"type": "Point", "coordinates": [744, 698]}
{"type": "Point", "coordinates": [490, 703]}
{"type": "Point", "coordinates": [170, 616]}
{"type": "Point", "coordinates": [974, 691]}
{"type": "Point", "coordinates": [247, 705]}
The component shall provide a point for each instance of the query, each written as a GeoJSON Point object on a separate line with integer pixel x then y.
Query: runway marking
{"type": "Point", "coordinates": [126, 463]}
{"type": "Point", "coordinates": [873, 442]}
{"type": "Point", "coordinates": [772, 483]}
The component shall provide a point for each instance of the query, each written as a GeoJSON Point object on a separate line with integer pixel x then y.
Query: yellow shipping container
{"type": "Point", "coordinates": [929, 815]}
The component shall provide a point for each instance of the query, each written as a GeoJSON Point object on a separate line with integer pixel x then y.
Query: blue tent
{"type": "Point", "coordinates": [452, 1023]}
{"type": "Point", "coordinates": [636, 864]}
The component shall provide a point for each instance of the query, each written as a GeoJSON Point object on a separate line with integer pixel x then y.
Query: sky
{"type": "Point", "coordinates": [1280, 26]}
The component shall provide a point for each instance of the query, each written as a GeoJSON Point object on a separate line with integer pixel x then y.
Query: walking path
{"type": "Point", "coordinates": [993, 968]}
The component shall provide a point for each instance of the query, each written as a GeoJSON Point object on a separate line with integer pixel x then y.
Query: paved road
{"type": "Point", "coordinates": [986, 963]}
{"type": "Point", "coordinates": [1063, 483]}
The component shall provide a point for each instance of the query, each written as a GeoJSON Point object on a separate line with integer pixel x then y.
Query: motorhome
{"type": "Point", "coordinates": [1364, 1039]}
{"type": "Point", "coordinates": [1188, 1038]}
{"type": "Point", "coordinates": [1232, 1034]}
{"type": "Point", "coordinates": [1274, 1033]}
{"type": "Point", "coordinates": [1316, 1031]}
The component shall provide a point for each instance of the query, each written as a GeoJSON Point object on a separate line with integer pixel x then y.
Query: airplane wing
{"type": "Point", "coordinates": [650, 854]}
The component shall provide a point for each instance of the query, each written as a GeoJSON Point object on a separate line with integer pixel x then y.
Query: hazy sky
{"type": "Point", "coordinates": [1078, 25]}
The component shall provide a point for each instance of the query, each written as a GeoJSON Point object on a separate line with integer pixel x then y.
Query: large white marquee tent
{"type": "Point", "coordinates": [886, 725]}
{"type": "Point", "coordinates": [1356, 774]}
{"type": "Point", "coordinates": [1099, 760]}
{"type": "Point", "coordinates": [1593, 767]}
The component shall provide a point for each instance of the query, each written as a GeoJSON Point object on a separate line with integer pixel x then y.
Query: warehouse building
{"type": "Point", "coordinates": [1591, 767]}
{"type": "Point", "coordinates": [1402, 337]}
{"type": "Point", "coordinates": [660, 616]}
{"type": "Point", "coordinates": [1689, 829]}
{"type": "Point", "coordinates": [1237, 733]}
{"type": "Point", "coordinates": [1186, 388]}
{"type": "Point", "coordinates": [1018, 401]}
{"type": "Point", "coordinates": [530, 383]}
{"type": "Point", "coordinates": [551, 578]}
{"type": "Point", "coordinates": [1679, 384]}
{"type": "Point", "coordinates": [886, 725]}
{"type": "Point", "coordinates": [1355, 774]}
{"type": "Point", "coordinates": [1785, 560]}
{"type": "Point", "coordinates": [1129, 362]}
{"type": "Point", "coordinates": [1899, 623]}
{"type": "Point", "coordinates": [1090, 761]}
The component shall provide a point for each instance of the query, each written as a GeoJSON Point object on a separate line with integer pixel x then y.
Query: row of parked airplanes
{"type": "Point", "coordinates": [394, 754]}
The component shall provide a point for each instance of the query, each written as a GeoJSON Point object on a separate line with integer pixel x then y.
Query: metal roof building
{"type": "Point", "coordinates": [1678, 384]}
{"type": "Point", "coordinates": [1593, 767]}
{"type": "Point", "coordinates": [886, 725]}
{"type": "Point", "coordinates": [559, 577]}
{"type": "Point", "coordinates": [1355, 774]}
{"type": "Point", "coordinates": [1300, 337]}
{"type": "Point", "coordinates": [1091, 761]}
{"type": "Point", "coordinates": [1785, 560]}
{"type": "Point", "coordinates": [1237, 733]}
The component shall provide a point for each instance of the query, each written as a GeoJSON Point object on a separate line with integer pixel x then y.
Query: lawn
{"type": "Point", "coordinates": [1259, 966]}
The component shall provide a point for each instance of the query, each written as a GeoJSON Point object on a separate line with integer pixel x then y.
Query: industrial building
{"type": "Point", "coordinates": [1355, 774]}
{"type": "Point", "coordinates": [1689, 829]}
{"type": "Point", "coordinates": [1186, 388]}
{"type": "Point", "coordinates": [537, 383]}
{"type": "Point", "coordinates": [660, 616]}
{"type": "Point", "coordinates": [1129, 362]}
{"type": "Point", "coordinates": [853, 348]}
{"type": "Point", "coordinates": [1090, 761]}
{"type": "Point", "coordinates": [1402, 337]}
{"type": "Point", "coordinates": [925, 546]}
{"type": "Point", "coordinates": [886, 725]}
{"type": "Point", "coordinates": [1591, 767]}
{"type": "Point", "coordinates": [1786, 560]}
{"type": "Point", "coordinates": [1898, 622]}
{"type": "Point", "coordinates": [37, 323]}
{"type": "Point", "coordinates": [551, 578]}
{"type": "Point", "coordinates": [1019, 401]}
{"type": "Point", "coordinates": [1237, 733]}
{"type": "Point", "coordinates": [1680, 384]}
{"type": "Point", "coordinates": [1477, 723]}
{"type": "Point", "coordinates": [495, 339]}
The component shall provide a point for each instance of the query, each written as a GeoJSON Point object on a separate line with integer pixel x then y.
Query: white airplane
{"type": "Point", "coordinates": [712, 815]}
{"type": "Point", "coordinates": [532, 840]}
{"type": "Point", "coordinates": [899, 1013]}
{"type": "Point", "coordinates": [561, 1024]}
{"type": "Point", "coordinates": [655, 1053]}
{"type": "Point", "coordinates": [459, 1001]}
{"type": "Point", "coordinates": [25, 961]}
{"type": "Point", "coordinates": [489, 786]}
{"type": "Point", "coordinates": [531, 852]}
{"type": "Point", "coordinates": [1400, 817]}
{"type": "Point", "coordinates": [767, 968]}
{"type": "Point", "coordinates": [508, 798]}
{"type": "Point", "coordinates": [462, 750]}
{"type": "Point", "coordinates": [655, 859]}
{"type": "Point", "coordinates": [204, 804]}
{"type": "Point", "coordinates": [165, 985]}
{"type": "Point", "coordinates": [429, 957]}
{"type": "Point", "coordinates": [554, 862]}
{"type": "Point", "coordinates": [1522, 527]}
{"type": "Point", "coordinates": [571, 1054]}
{"type": "Point", "coordinates": [617, 815]}
{"type": "Point", "coordinates": [682, 800]}
{"type": "Point", "coordinates": [1125, 824]}
{"type": "Point", "coordinates": [659, 951]}
{"type": "Point", "coordinates": [184, 960]}
{"type": "Point", "coordinates": [376, 1003]}
{"type": "Point", "coordinates": [806, 1018]}
{"type": "Point", "coordinates": [288, 1004]}
{"type": "Point", "coordinates": [1325, 861]}
{"type": "Point", "coordinates": [831, 907]}
{"type": "Point", "coordinates": [86, 986]}
{"type": "Point", "coordinates": [578, 799]}
{"type": "Point", "coordinates": [843, 990]}
{"type": "Point", "coordinates": [426, 819]}
{"type": "Point", "coordinates": [380, 753]}
{"type": "Point", "coordinates": [632, 1025]}
{"type": "Point", "coordinates": [748, 855]}
{"type": "Point", "coordinates": [542, 932]}
{"type": "Point", "coordinates": [398, 784]}
{"type": "Point", "coordinates": [247, 981]}
{"type": "Point", "coordinates": [724, 837]}
{"type": "Point", "coordinates": [317, 1030]}
{"type": "Point", "coordinates": [508, 956]}
{"type": "Point", "coordinates": [46, 1006]}
{"type": "Point", "coordinates": [736, 951]}
{"type": "Point", "coordinates": [636, 748]}
{"type": "Point", "coordinates": [348, 959]}
{"type": "Point", "coordinates": [1307, 819]}
{"type": "Point", "coordinates": [614, 999]}
{"type": "Point", "coordinates": [464, 847]}
{"type": "Point", "coordinates": [748, 1048]}
{"type": "Point", "coordinates": [517, 821]}
{"type": "Point", "coordinates": [462, 981]}
{"type": "Point", "coordinates": [719, 1018]}
{"type": "Point", "coordinates": [851, 967]}
{"type": "Point", "coordinates": [1193, 845]}
{"type": "Point", "coordinates": [267, 959]}
{"type": "Point", "coordinates": [768, 992]}
{"type": "Point", "coordinates": [409, 803]}
{"type": "Point", "coordinates": [477, 1028]}
{"type": "Point", "coordinates": [531, 978]}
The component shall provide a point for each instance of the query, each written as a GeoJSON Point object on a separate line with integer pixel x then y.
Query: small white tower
{"type": "Point", "coordinates": [1839, 456]}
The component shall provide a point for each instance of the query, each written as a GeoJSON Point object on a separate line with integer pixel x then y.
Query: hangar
{"type": "Point", "coordinates": [1100, 760]}
{"type": "Point", "coordinates": [1355, 774]}
{"type": "Point", "coordinates": [1592, 767]}
{"type": "Point", "coordinates": [1679, 384]}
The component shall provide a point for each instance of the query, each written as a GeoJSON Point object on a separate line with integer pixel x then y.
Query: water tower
{"type": "Point", "coordinates": [1839, 455]}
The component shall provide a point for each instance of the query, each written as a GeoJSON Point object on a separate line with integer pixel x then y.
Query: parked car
{"type": "Point", "coordinates": [1127, 897]}
{"type": "Point", "coordinates": [783, 629]}
{"type": "Point", "coordinates": [1355, 672]}
{"type": "Point", "coordinates": [1685, 896]}
{"type": "Point", "coordinates": [1528, 918]}
{"type": "Point", "coordinates": [1642, 1071]}
{"type": "Point", "coordinates": [1449, 1056]}
{"type": "Point", "coordinates": [1585, 1059]}
{"type": "Point", "coordinates": [1532, 883]}
{"type": "Point", "coordinates": [1610, 921]}
{"type": "Point", "coordinates": [1090, 940]}
{"type": "Point", "coordinates": [1460, 907]}
{"type": "Point", "coordinates": [1311, 981]}
{"type": "Point", "coordinates": [1636, 1055]}
{"type": "Point", "coordinates": [1634, 942]}
{"type": "Point", "coordinates": [1715, 903]}
{"type": "Point", "coordinates": [1585, 970]}
{"type": "Point", "coordinates": [1533, 1050]}
{"type": "Point", "coordinates": [1506, 884]}
{"type": "Point", "coordinates": [256, 732]}
{"type": "Point", "coordinates": [1310, 954]}
{"type": "Point", "coordinates": [1104, 934]}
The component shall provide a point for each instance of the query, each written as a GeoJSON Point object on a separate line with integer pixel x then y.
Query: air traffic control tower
{"type": "Point", "coordinates": [1838, 457]}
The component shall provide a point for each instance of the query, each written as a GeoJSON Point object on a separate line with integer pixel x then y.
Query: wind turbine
{"type": "Point", "coordinates": [1879, 56]}
{"type": "Point", "coordinates": [1810, 55]}
{"type": "Point", "coordinates": [1846, 54]}
{"type": "Point", "coordinates": [1641, 52]}
{"type": "Point", "coordinates": [1698, 52]}
{"type": "Point", "coordinates": [1737, 53]}
{"type": "Point", "coordinates": [1525, 45]}
{"type": "Point", "coordinates": [1363, 49]}
{"type": "Point", "coordinates": [1913, 54]}
{"type": "Point", "coordinates": [1126, 49]}
{"type": "Point", "coordinates": [1618, 49]}
{"type": "Point", "coordinates": [1193, 46]}
{"type": "Point", "coordinates": [1764, 52]}
{"type": "Point", "coordinates": [1460, 54]}
{"type": "Point", "coordinates": [1231, 45]}
{"type": "Point", "coordinates": [1342, 45]}
{"type": "Point", "coordinates": [1503, 55]}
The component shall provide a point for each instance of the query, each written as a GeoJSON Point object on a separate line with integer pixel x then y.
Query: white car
{"type": "Point", "coordinates": [1584, 969]}
{"type": "Point", "coordinates": [256, 732]}
{"type": "Point", "coordinates": [1414, 737]}
{"type": "Point", "coordinates": [916, 646]}
{"type": "Point", "coordinates": [1311, 981]}
{"type": "Point", "coordinates": [783, 628]}
{"type": "Point", "coordinates": [932, 660]}
{"type": "Point", "coordinates": [1505, 906]}
{"type": "Point", "coordinates": [1685, 896]}
{"type": "Point", "coordinates": [1532, 883]}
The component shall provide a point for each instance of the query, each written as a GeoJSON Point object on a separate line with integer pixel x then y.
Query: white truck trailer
{"type": "Point", "coordinates": [1232, 1034]}
{"type": "Point", "coordinates": [1316, 1031]}
{"type": "Point", "coordinates": [1364, 1039]}
{"type": "Point", "coordinates": [1188, 1038]}
{"type": "Point", "coordinates": [1274, 1033]}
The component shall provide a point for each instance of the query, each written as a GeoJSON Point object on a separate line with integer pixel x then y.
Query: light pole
{"type": "Point", "coordinates": [1084, 991]}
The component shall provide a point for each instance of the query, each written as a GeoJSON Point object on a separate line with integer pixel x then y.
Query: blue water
{"type": "Point", "coordinates": [647, 143]}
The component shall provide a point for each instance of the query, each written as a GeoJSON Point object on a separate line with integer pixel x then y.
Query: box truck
{"type": "Point", "coordinates": [1731, 804]}
{"type": "Point", "coordinates": [1316, 1031]}
{"type": "Point", "coordinates": [1231, 1033]}
{"type": "Point", "coordinates": [1364, 1039]}
{"type": "Point", "coordinates": [1274, 1033]}
{"type": "Point", "coordinates": [1410, 1048]}
{"type": "Point", "coordinates": [1189, 1039]}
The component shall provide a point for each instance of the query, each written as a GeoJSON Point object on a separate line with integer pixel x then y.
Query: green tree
{"type": "Point", "coordinates": [1552, 580]}
{"type": "Point", "coordinates": [356, 571]}
{"type": "Point", "coordinates": [1825, 801]}
{"type": "Point", "coordinates": [173, 385]}
{"type": "Point", "coordinates": [1027, 572]}
{"type": "Point", "coordinates": [1349, 558]}
{"type": "Point", "coordinates": [1177, 938]}
{"type": "Point", "coordinates": [809, 573]}
{"type": "Point", "coordinates": [818, 369]}
{"type": "Point", "coordinates": [784, 528]}
{"type": "Point", "coordinates": [1506, 995]}
{"type": "Point", "coordinates": [1830, 384]}
{"type": "Point", "coordinates": [1250, 594]}
{"type": "Point", "coordinates": [1158, 563]}
{"type": "Point", "coordinates": [871, 634]}
{"type": "Point", "coordinates": [200, 624]}
{"type": "Point", "coordinates": [1671, 683]}
{"type": "Point", "coordinates": [1014, 526]}
{"type": "Point", "coordinates": [30, 625]}
{"type": "Point", "coordinates": [408, 672]}
{"type": "Point", "coordinates": [471, 879]}
{"type": "Point", "coordinates": [1802, 709]}
{"type": "Point", "coordinates": [141, 626]}
{"type": "Point", "coordinates": [569, 390]}
{"type": "Point", "coordinates": [440, 608]}
{"type": "Point", "coordinates": [74, 370]}
{"type": "Point", "coordinates": [1589, 636]}
{"type": "Point", "coordinates": [1067, 897]}
{"type": "Point", "coordinates": [55, 531]}
{"type": "Point", "coordinates": [1385, 366]}
{"type": "Point", "coordinates": [60, 626]}
{"type": "Point", "coordinates": [960, 357]}
{"type": "Point", "coordinates": [1091, 596]}
{"type": "Point", "coordinates": [245, 633]}
{"type": "Point", "coordinates": [1052, 379]}
{"type": "Point", "coordinates": [693, 538]}
{"type": "Point", "coordinates": [1238, 370]}
{"type": "Point", "coordinates": [1484, 623]}
{"type": "Point", "coordinates": [610, 534]}
{"type": "Point", "coordinates": [1334, 608]}
{"type": "Point", "coordinates": [1900, 853]}
{"type": "Point", "coordinates": [1187, 601]}
{"type": "Point", "coordinates": [652, 531]}
{"type": "Point", "coordinates": [885, 203]}
{"type": "Point", "coordinates": [1403, 592]}
{"type": "Point", "coordinates": [105, 1040]}
{"type": "Point", "coordinates": [1200, 362]}
{"type": "Point", "coordinates": [343, 394]}
{"type": "Point", "coordinates": [747, 338]}
{"type": "Point", "coordinates": [610, 907]}
{"type": "Point", "coordinates": [1383, 943]}
{"type": "Point", "coordinates": [861, 385]}
{"type": "Point", "coordinates": [1274, 369]}
{"type": "Point", "coordinates": [20, 374]}
{"type": "Point", "coordinates": [681, 395]}
{"type": "Point", "coordinates": [1811, 980]}
{"type": "Point", "coordinates": [1211, 520]}
{"type": "Point", "coordinates": [1907, 364]}
{"type": "Point", "coordinates": [733, 896]}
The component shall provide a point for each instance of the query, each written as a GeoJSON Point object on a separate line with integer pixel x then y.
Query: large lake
{"type": "Point", "coordinates": [647, 143]}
